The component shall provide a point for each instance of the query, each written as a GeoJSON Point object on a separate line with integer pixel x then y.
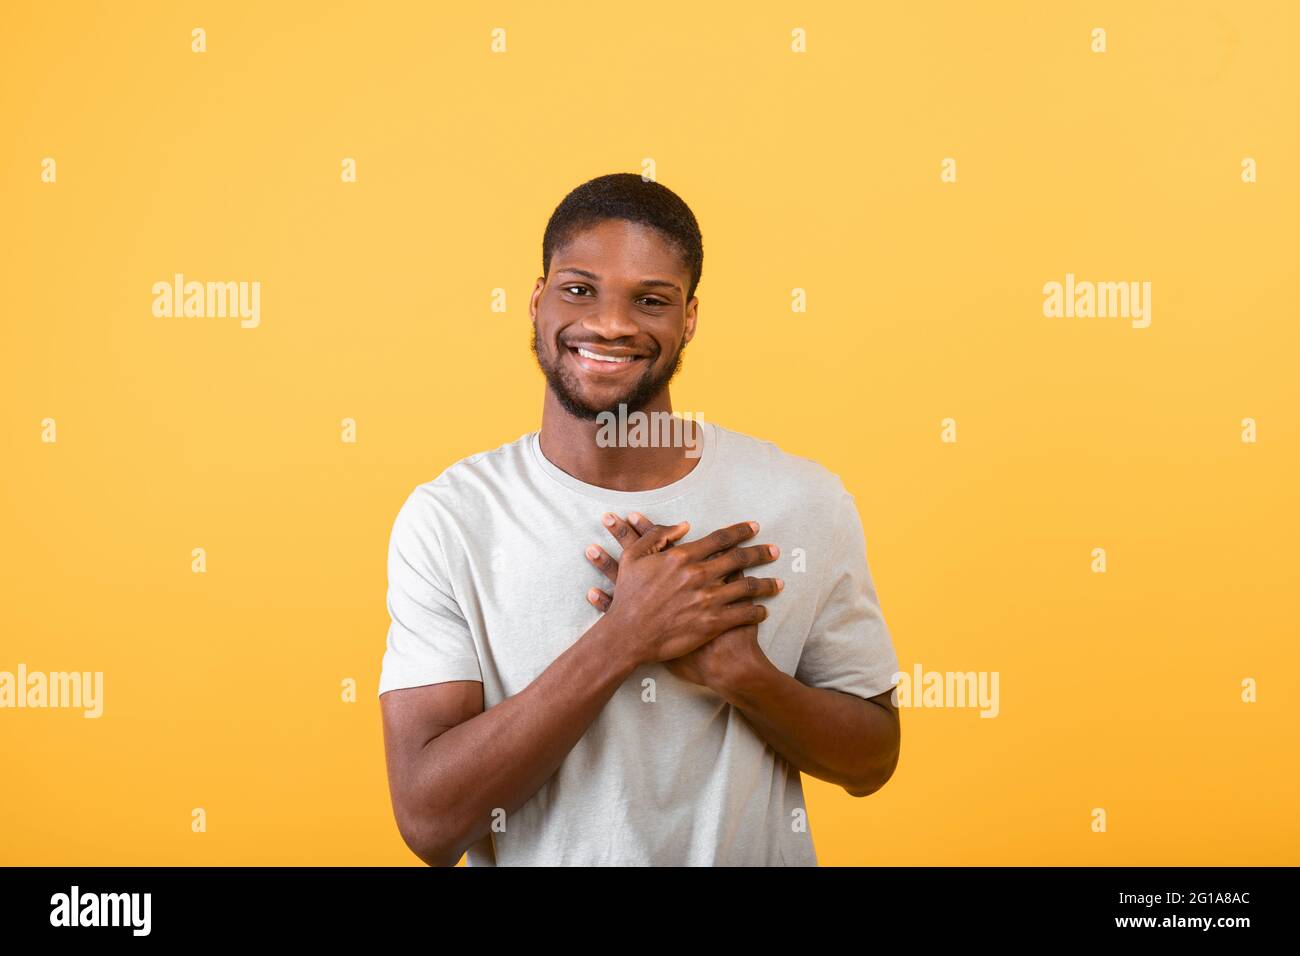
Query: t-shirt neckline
{"type": "Point", "coordinates": [674, 489]}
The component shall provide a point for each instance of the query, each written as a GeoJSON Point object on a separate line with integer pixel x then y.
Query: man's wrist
{"type": "Point", "coordinates": [743, 680]}
{"type": "Point", "coordinates": [618, 643]}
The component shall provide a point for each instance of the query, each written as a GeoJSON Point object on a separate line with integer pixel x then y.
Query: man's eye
{"type": "Point", "coordinates": [653, 301]}
{"type": "Point", "coordinates": [580, 288]}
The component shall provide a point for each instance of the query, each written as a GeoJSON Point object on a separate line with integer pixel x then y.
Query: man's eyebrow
{"type": "Point", "coordinates": [665, 283]}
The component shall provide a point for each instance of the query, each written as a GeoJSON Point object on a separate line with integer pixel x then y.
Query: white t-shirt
{"type": "Point", "coordinates": [488, 581]}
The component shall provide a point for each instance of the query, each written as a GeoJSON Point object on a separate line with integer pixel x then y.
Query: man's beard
{"type": "Point", "coordinates": [566, 390]}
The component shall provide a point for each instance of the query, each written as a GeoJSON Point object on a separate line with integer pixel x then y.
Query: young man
{"type": "Point", "coordinates": [547, 700]}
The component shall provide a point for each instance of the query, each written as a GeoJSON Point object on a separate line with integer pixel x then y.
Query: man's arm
{"type": "Point", "coordinates": [452, 764]}
{"type": "Point", "coordinates": [828, 734]}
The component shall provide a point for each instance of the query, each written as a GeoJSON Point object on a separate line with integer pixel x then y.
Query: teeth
{"type": "Point", "coordinates": [604, 358]}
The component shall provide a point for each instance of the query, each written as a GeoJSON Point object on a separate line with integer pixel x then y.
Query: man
{"type": "Point", "coordinates": [549, 700]}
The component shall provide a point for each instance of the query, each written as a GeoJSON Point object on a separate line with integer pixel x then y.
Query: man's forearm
{"type": "Point", "coordinates": [825, 733]}
{"type": "Point", "coordinates": [499, 759]}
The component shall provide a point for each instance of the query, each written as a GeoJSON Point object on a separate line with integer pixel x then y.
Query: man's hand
{"type": "Point", "coordinates": [730, 653]}
{"type": "Point", "coordinates": [670, 600]}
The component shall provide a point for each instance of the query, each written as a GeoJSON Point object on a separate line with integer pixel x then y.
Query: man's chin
{"type": "Point", "coordinates": [597, 404]}
{"type": "Point", "coordinates": [605, 409]}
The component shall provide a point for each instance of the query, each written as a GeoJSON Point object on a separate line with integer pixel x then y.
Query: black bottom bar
{"type": "Point", "coordinates": [1172, 906]}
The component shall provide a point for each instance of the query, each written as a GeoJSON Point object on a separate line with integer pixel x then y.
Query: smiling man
{"type": "Point", "coordinates": [578, 668]}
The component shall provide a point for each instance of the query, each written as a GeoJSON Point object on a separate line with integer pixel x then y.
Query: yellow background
{"type": "Point", "coordinates": [819, 171]}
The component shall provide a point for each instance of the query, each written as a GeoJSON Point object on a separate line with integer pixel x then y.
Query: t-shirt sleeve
{"type": "Point", "coordinates": [849, 647]}
{"type": "Point", "coordinates": [429, 641]}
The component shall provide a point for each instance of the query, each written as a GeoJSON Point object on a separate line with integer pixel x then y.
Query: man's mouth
{"type": "Point", "coordinates": [605, 363]}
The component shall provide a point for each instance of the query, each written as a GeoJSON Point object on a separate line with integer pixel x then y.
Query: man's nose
{"type": "Point", "coordinates": [611, 321]}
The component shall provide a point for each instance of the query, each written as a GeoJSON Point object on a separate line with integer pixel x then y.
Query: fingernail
{"type": "Point", "coordinates": [593, 552]}
{"type": "Point", "coordinates": [754, 525]}
{"type": "Point", "coordinates": [780, 585]}
{"type": "Point", "coordinates": [774, 550]}
{"type": "Point", "coordinates": [608, 519]}
{"type": "Point", "coordinates": [634, 517]}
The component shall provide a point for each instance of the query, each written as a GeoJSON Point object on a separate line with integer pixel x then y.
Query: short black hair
{"type": "Point", "coordinates": [627, 196]}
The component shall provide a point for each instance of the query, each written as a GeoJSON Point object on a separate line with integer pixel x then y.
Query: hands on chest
{"type": "Point", "coordinates": [689, 606]}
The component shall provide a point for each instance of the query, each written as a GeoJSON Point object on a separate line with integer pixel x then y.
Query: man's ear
{"type": "Point", "coordinates": [532, 300]}
{"type": "Point", "coordinates": [690, 319]}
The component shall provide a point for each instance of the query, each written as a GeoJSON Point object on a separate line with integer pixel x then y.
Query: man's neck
{"type": "Point", "coordinates": [571, 445]}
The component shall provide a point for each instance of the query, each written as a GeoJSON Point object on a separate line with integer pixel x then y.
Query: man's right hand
{"type": "Point", "coordinates": [670, 598]}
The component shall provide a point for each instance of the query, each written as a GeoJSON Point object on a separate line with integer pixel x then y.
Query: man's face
{"type": "Point", "coordinates": [611, 320]}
